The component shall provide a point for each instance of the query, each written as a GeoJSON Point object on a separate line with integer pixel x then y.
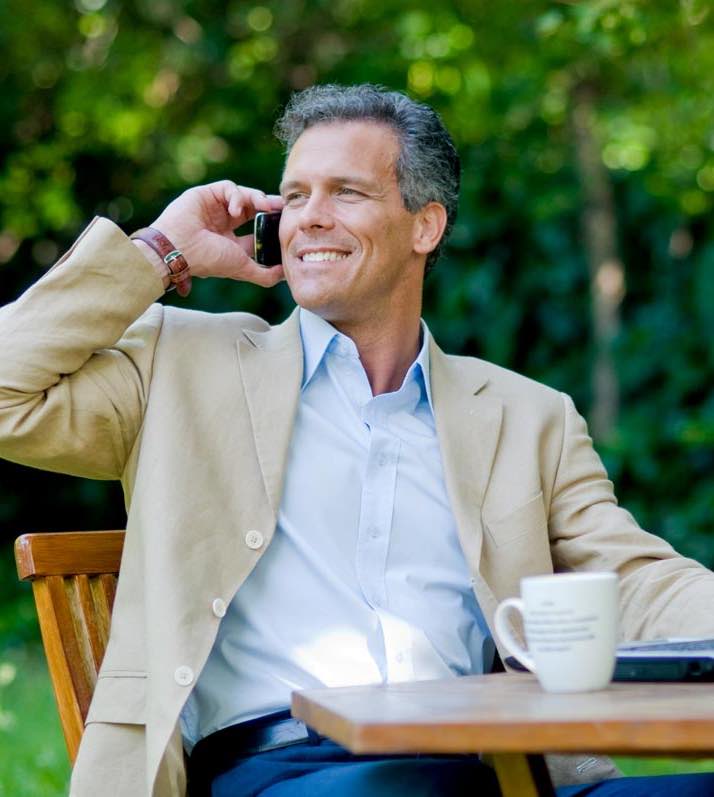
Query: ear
{"type": "Point", "coordinates": [429, 227]}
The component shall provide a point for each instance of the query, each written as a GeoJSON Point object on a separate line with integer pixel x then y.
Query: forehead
{"type": "Point", "coordinates": [330, 149]}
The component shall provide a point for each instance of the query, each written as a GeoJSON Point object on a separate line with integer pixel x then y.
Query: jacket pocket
{"type": "Point", "coordinates": [119, 698]}
{"type": "Point", "coordinates": [529, 519]}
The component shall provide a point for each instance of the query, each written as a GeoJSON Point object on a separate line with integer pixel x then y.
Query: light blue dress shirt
{"type": "Point", "coordinates": [365, 580]}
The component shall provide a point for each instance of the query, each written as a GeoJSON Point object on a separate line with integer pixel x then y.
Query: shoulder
{"type": "Point", "coordinates": [184, 336]}
{"type": "Point", "coordinates": [189, 335]}
{"type": "Point", "coordinates": [182, 321]}
{"type": "Point", "coordinates": [512, 388]}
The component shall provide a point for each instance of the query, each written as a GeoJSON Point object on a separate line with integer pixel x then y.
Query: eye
{"type": "Point", "coordinates": [349, 192]}
{"type": "Point", "coordinates": [294, 197]}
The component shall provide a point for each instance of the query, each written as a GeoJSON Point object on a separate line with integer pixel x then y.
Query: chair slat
{"type": "Point", "coordinates": [75, 640]}
{"type": "Point", "coordinates": [86, 613]}
{"type": "Point", "coordinates": [73, 577]}
{"type": "Point", "coordinates": [102, 589]}
{"type": "Point", "coordinates": [68, 553]}
{"type": "Point", "coordinates": [109, 587]}
{"type": "Point", "coordinates": [58, 662]}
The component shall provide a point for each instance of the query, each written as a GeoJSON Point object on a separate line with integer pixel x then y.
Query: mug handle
{"type": "Point", "coordinates": [504, 631]}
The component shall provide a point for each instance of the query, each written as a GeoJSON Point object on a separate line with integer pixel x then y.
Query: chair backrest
{"type": "Point", "coordinates": [73, 577]}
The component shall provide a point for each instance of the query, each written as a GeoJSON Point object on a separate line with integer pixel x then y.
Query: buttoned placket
{"type": "Point", "coordinates": [377, 498]}
{"type": "Point", "coordinates": [377, 509]}
{"type": "Point", "coordinates": [363, 498]}
{"type": "Point", "coordinates": [376, 506]}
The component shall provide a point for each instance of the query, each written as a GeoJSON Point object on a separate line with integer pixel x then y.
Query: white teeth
{"type": "Point", "coordinates": [314, 257]}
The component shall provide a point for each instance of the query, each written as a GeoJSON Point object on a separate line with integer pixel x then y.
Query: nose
{"type": "Point", "coordinates": [316, 213]}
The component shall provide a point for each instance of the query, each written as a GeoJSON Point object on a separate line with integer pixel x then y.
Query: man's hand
{"type": "Point", "coordinates": [200, 222]}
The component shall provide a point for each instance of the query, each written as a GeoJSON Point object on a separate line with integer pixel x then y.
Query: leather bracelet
{"type": "Point", "coordinates": [179, 272]}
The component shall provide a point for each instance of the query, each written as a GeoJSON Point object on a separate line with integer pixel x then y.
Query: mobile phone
{"type": "Point", "coordinates": [267, 241]}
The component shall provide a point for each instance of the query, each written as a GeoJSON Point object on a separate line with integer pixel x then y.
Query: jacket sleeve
{"type": "Point", "coordinates": [661, 593]}
{"type": "Point", "coordinates": [75, 363]}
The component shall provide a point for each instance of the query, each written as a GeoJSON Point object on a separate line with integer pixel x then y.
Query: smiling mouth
{"type": "Point", "coordinates": [318, 257]}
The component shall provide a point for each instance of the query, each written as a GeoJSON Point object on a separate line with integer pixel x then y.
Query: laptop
{"type": "Point", "coordinates": [659, 660]}
{"type": "Point", "coordinates": [666, 660]}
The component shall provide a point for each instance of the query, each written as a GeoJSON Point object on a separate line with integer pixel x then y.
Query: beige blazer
{"type": "Point", "coordinates": [193, 412]}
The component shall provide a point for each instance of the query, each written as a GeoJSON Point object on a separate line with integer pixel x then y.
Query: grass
{"type": "Point", "coordinates": [33, 757]}
{"type": "Point", "coordinates": [663, 766]}
{"type": "Point", "coordinates": [33, 760]}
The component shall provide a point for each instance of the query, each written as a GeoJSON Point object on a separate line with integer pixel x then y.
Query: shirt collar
{"type": "Point", "coordinates": [317, 335]}
{"type": "Point", "coordinates": [420, 366]}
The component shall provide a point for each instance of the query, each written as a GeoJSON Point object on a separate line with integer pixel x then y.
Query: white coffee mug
{"type": "Point", "coordinates": [570, 620]}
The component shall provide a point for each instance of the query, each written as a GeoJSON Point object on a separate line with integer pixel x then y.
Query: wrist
{"type": "Point", "coordinates": [179, 274]}
{"type": "Point", "coordinates": [157, 262]}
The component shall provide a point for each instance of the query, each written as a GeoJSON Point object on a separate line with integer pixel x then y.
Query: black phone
{"type": "Point", "coordinates": [267, 241]}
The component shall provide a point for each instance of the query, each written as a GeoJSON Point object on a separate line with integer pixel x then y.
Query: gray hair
{"type": "Point", "coordinates": [428, 166]}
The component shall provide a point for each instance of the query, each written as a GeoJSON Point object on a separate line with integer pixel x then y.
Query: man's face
{"type": "Point", "coordinates": [347, 239]}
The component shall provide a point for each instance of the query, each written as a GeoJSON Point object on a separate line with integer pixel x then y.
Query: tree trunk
{"type": "Point", "coordinates": [607, 273]}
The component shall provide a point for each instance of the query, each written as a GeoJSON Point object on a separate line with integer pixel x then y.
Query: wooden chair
{"type": "Point", "coordinates": [73, 577]}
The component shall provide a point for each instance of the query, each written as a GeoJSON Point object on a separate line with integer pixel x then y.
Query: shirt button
{"type": "Point", "coordinates": [183, 675]}
{"type": "Point", "coordinates": [254, 539]}
{"type": "Point", "coordinates": [374, 532]}
{"type": "Point", "coordinates": [218, 607]}
{"type": "Point", "coordinates": [399, 657]}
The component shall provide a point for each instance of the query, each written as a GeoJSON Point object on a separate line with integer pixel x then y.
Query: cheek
{"type": "Point", "coordinates": [286, 229]}
{"type": "Point", "coordinates": [283, 234]}
{"type": "Point", "coordinates": [376, 232]}
{"type": "Point", "coordinates": [393, 237]}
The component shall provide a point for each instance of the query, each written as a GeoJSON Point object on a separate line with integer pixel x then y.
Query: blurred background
{"type": "Point", "coordinates": [583, 255]}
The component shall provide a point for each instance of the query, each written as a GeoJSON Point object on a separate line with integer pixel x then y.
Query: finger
{"type": "Point", "coordinates": [276, 201]}
{"type": "Point", "coordinates": [247, 244]}
{"type": "Point", "coordinates": [248, 270]}
{"type": "Point", "coordinates": [265, 276]}
{"type": "Point", "coordinates": [243, 202]}
{"type": "Point", "coordinates": [232, 196]}
{"type": "Point", "coordinates": [235, 198]}
{"type": "Point", "coordinates": [259, 199]}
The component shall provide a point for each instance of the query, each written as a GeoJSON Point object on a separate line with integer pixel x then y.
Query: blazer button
{"type": "Point", "coordinates": [254, 539]}
{"type": "Point", "coordinates": [219, 607]}
{"type": "Point", "coordinates": [183, 675]}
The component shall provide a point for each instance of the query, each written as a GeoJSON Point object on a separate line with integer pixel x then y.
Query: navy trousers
{"type": "Point", "coordinates": [328, 770]}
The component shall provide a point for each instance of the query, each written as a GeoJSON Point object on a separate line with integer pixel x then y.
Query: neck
{"type": "Point", "coordinates": [386, 350]}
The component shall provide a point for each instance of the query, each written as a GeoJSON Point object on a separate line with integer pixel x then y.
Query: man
{"type": "Point", "coordinates": [329, 501]}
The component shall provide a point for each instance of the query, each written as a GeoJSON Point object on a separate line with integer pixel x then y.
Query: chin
{"type": "Point", "coordinates": [323, 306]}
{"type": "Point", "coordinates": [311, 295]}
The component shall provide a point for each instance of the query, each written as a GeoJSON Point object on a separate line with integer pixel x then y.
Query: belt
{"type": "Point", "coordinates": [218, 752]}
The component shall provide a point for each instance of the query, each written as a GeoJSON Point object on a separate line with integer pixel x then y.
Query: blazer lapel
{"type": "Point", "coordinates": [468, 423]}
{"type": "Point", "coordinates": [271, 366]}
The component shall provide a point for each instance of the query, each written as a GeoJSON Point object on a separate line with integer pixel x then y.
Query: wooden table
{"type": "Point", "coordinates": [510, 717]}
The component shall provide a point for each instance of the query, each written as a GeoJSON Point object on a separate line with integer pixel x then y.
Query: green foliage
{"type": "Point", "coordinates": [114, 107]}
